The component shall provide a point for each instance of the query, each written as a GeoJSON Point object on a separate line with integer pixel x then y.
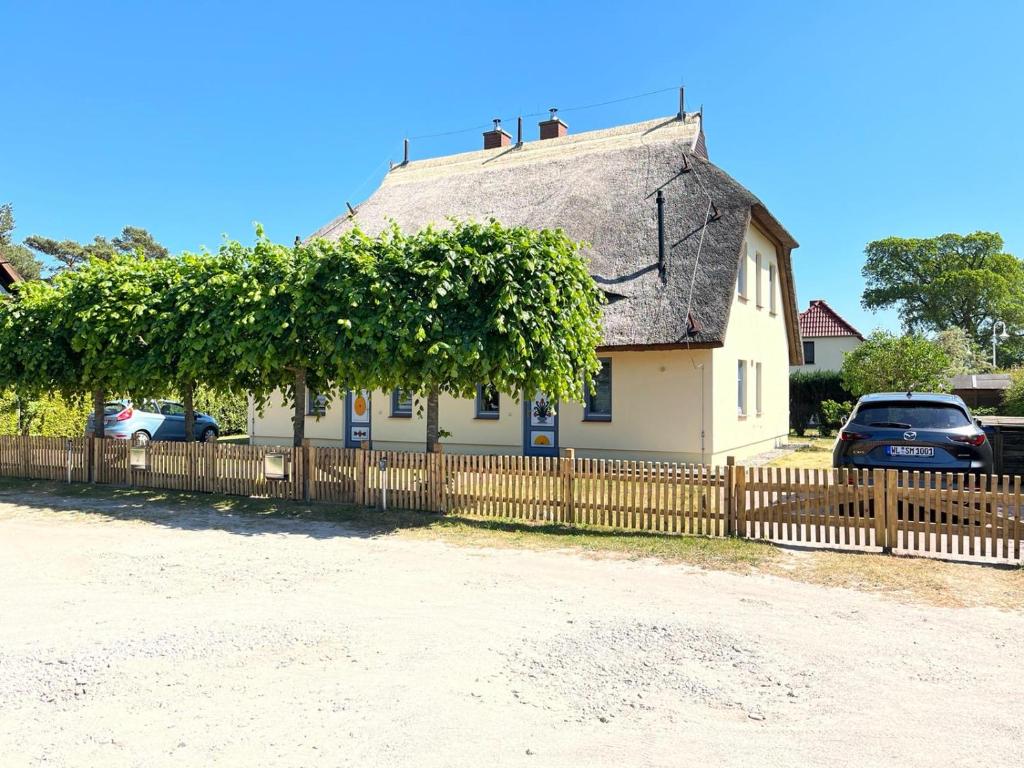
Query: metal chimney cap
{"type": "Point", "coordinates": [497, 123]}
{"type": "Point", "coordinates": [554, 113]}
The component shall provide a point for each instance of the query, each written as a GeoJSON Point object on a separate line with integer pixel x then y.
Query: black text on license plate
{"type": "Point", "coordinates": [914, 451]}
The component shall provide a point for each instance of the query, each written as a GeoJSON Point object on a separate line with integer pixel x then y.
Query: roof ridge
{"type": "Point", "coordinates": [819, 326]}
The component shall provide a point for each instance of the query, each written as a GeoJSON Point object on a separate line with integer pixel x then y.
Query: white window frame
{"type": "Point", "coordinates": [758, 391]}
{"type": "Point", "coordinates": [772, 275]}
{"type": "Point", "coordinates": [758, 266]}
{"type": "Point", "coordinates": [741, 274]}
{"type": "Point", "coordinates": [741, 388]}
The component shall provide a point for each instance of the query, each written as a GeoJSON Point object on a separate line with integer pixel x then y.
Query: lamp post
{"type": "Point", "coordinates": [995, 339]}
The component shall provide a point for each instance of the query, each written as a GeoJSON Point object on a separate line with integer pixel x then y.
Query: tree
{"type": "Point", "coordinates": [481, 303]}
{"type": "Point", "coordinates": [72, 254]}
{"type": "Point", "coordinates": [889, 363]}
{"type": "Point", "coordinates": [28, 266]}
{"type": "Point", "coordinates": [965, 355]}
{"type": "Point", "coordinates": [950, 281]}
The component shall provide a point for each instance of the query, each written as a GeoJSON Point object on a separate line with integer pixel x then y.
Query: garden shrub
{"type": "Point", "coordinates": [807, 391]}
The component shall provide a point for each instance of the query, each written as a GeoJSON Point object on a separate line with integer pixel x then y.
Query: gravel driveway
{"type": "Point", "coordinates": [200, 638]}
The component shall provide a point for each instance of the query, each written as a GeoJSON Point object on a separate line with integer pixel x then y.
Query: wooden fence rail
{"type": "Point", "coordinates": [945, 515]}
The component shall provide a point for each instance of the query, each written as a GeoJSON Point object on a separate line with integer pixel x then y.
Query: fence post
{"type": "Point", "coordinates": [361, 479]}
{"type": "Point", "coordinates": [310, 462]}
{"type": "Point", "coordinates": [210, 466]}
{"type": "Point", "coordinates": [891, 492]}
{"type": "Point", "coordinates": [567, 469]}
{"type": "Point", "coordinates": [730, 495]}
{"type": "Point", "coordinates": [740, 500]}
{"type": "Point", "coordinates": [436, 472]}
{"type": "Point", "coordinates": [878, 501]}
{"type": "Point", "coordinates": [96, 458]}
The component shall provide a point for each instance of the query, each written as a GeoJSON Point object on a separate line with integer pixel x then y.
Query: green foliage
{"type": "Point", "coordinates": [965, 354]}
{"type": "Point", "coordinates": [28, 266]}
{"type": "Point", "coordinates": [50, 415]}
{"type": "Point", "coordinates": [71, 255]}
{"type": "Point", "coordinates": [1013, 397]}
{"type": "Point", "coordinates": [889, 363]}
{"type": "Point", "coordinates": [807, 391]}
{"type": "Point", "coordinates": [962, 281]}
{"type": "Point", "coordinates": [230, 410]}
{"type": "Point", "coordinates": [833, 415]}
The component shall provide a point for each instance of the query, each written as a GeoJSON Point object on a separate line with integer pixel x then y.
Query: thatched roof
{"type": "Point", "coordinates": [601, 187]}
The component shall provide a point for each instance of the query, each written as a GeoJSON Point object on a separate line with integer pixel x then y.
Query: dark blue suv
{"type": "Point", "coordinates": [913, 431]}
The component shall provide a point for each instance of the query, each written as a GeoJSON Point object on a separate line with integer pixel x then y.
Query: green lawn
{"type": "Point", "coordinates": [815, 452]}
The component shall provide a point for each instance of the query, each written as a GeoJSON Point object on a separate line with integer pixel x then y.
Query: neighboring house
{"type": "Point", "coordinates": [698, 335]}
{"type": "Point", "coordinates": [827, 338]}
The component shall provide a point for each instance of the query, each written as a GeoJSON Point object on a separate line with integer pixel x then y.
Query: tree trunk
{"type": "Point", "coordinates": [432, 427]}
{"type": "Point", "coordinates": [299, 417]}
{"type": "Point", "coordinates": [98, 402]}
{"type": "Point", "coordinates": [188, 395]}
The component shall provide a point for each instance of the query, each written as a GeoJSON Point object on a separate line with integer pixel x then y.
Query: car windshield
{"type": "Point", "coordinates": [911, 416]}
{"type": "Point", "coordinates": [109, 409]}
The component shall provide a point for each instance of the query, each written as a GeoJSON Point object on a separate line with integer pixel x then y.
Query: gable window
{"type": "Point", "coordinates": [597, 399]}
{"type": "Point", "coordinates": [808, 353]}
{"type": "Point", "coordinates": [316, 403]}
{"type": "Point", "coordinates": [488, 402]}
{"type": "Point", "coordinates": [741, 388]}
{"type": "Point", "coordinates": [758, 299]}
{"type": "Point", "coordinates": [757, 389]}
{"type": "Point", "coordinates": [401, 404]}
{"type": "Point", "coordinates": [741, 275]}
{"type": "Point", "coordinates": [771, 289]}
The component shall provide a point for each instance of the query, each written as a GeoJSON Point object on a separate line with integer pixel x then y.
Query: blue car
{"type": "Point", "coordinates": [152, 420]}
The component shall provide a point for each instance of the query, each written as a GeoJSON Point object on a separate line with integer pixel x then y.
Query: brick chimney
{"type": "Point", "coordinates": [553, 128]}
{"type": "Point", "coordinates": [496, 137]}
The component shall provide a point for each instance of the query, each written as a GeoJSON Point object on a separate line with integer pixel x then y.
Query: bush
{"type": "Point", "coordinates": [230, 411]}
{"type": "Point", "coordinates": [833, 414]}
{"type": "Point", "coordinates": [50, 415]}
{"type": "Point", "coordinates": [807, 391]}
{"type": "Point", "coordinates": [1013, 398]}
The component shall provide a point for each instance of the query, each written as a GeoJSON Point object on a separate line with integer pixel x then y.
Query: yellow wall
{"type": "Point", "coordinates": [656, 415]}
{"type": "Point", "coordinates": [757, 335]}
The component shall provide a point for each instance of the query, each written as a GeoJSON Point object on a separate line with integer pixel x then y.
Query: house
{"type": "Point", "coordinates": [827, 338]}
{"type": "Point", "coordinates": [701, 322]}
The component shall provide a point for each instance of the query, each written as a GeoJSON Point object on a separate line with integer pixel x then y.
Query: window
{"type": "Point", "coordinates": [757, 281]}
{"type": "Point", "coordinates": [771, 289]}
{"type": "Point", "coordinates": [597, 400]}
{"type": "Point", "coordinates": [741, 388]}
{"type": "Point", "coordinates": [401, 404]}
{"type": "Point", "coordinates": [808, 353]}
{"type": "Point", "coordinates": [488, 402]}
{"type": "Point", "coordinates": [757, 389]}
{"type": "Point", "coordinates": [904, 415]}
{"type": "Point", "coordinates": [172, 409]}
{"type": "Point", "coordinates": [316, 404]}
{"type": "Point", "coordinates": [741, 276]}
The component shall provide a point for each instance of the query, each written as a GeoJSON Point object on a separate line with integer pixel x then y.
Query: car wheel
{"type": "Point", "coordinates": [209, 435]}
{"type": "Point", "coordinates": [141, 438]}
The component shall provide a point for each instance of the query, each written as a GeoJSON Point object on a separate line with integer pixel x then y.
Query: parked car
{"type": "Point", "coordinates": [152, 420]}
{"type": "Point", "coordinates": [913, 431]}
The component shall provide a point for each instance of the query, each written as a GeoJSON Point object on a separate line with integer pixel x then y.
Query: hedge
{"type": "Point", "coordinates": [807, 391]}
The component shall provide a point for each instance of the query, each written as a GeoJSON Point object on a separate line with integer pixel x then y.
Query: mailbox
{"type": "Point", "coordinates": [138, 458]}
{"type": "Point", "coordinates": [275, 466]}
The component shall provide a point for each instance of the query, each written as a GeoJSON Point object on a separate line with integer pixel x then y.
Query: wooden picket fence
{"type": "Point", "coordinates": [953, 516]}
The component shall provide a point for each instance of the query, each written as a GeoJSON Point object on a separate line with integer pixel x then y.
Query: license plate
{"type": "Point", "coordinates": [917, 451]}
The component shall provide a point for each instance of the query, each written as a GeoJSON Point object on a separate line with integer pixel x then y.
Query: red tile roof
{"type": "Point", "coordinates": [819, 319]}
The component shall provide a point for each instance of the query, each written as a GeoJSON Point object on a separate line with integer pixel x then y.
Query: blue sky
{"type": "Point", "coordinates": [851, 121]}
